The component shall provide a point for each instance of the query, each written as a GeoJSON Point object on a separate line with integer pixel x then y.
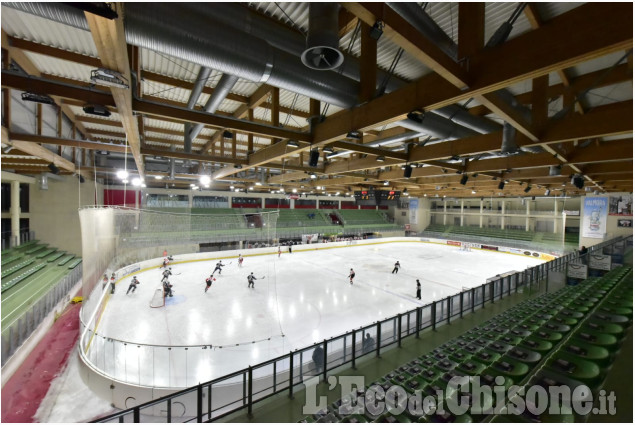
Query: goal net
{"type": "Point", "coordinates": [158, 298]}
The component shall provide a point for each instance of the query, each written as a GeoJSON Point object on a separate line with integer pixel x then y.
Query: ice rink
{"type": "Point", "coordinates": [299, 299]}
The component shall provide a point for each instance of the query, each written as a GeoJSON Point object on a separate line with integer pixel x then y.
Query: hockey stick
{"type": "Point", "coordinates": [177, 274]}
{"type": "Point", "coordinates": [263, 277]}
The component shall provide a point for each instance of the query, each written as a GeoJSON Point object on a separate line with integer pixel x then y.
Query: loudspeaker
{"type": "Point", "coordinates": [464, 179]}
{"type": "Point", "coordinates": [501, 185]}
{"type": "Point", "coordinates": [314, 156]}
{"type": "Point", "coordinates": [53, 168]}
{"type": "Point", "coordinates": [407, 172]}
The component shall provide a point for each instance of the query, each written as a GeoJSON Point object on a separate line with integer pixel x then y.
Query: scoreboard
{"type": "Point", "coordinates": [365, 197]}
{"type": "Point", "coordinates": [388, 197]}
{"type": "Point", "coordinates": [377, 197]}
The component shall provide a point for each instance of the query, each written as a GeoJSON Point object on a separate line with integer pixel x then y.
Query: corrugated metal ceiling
{"type": "Point", "coordinates": [33, 28]}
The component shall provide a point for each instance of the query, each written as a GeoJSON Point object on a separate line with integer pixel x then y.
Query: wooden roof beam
{"type": "Point", "coordinates": [110, 40]}
{"type": "Point", "coordinates": [587, 32]}
{"type": "Point", "coordinates": [400, 32]}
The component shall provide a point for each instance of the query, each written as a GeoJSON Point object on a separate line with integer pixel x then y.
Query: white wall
{"type": "Point", "coordinates": [54, 212]}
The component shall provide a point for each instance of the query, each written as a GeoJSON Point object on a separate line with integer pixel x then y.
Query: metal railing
{"type": "Point", "coordinates": [24, 236]}
{"type": "Point", "coordinates": [22, 327]}
{"type": "Point", "coordinates": [220, 397]}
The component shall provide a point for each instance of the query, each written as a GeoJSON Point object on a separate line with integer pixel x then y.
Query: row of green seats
{"type": "Point", "coordinates": [14, 281]}
{"type": "Point", "coordinates": [15, 268]}
{"type": "Point", "coordinates": [44, 253]}
{"type": "Point", "coordinates": [11, 259]}
{"type": "Point", "coordinates": [74, 263]}
{"type": "Point", "coordinates": [66, 259]}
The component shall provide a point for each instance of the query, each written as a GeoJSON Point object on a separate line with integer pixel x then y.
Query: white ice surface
{"type": "Point", "coordinates": [304, 296]}
{"type": "Point", "coordinates": [315, 301]}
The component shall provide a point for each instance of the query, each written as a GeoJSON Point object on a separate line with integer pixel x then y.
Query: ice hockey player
{"type": "Point", "coordinates": [209, 281]}
{"type": "Point", "coordinates": [279, 251]}
{"type": "Point", "coordinates": [167, 288]}
{"type": "Point", "coordinates": [251, 279]}
{"type": "Point", "coordinates": [218, 267]}
{"type": "Point", "coordinates": [133, 285]}
{"type": "Point", "coordinates": [396, 269]}
{"type": "Point", "coordinates": [418, 289]}
{"type": "Point", "coordinates": [351, 276]}
{"type": "Point", "coordinates": [112, 283]}
{"type": "Point", "coordinates": [166, 261]}
{"type": "Point", "coordinates": [104, 281]}
{"type": "Point", "coordinates": [240, 260]}
{"type": "Point", "coordinates": [167, 272]}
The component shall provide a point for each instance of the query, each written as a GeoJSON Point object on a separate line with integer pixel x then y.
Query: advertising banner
{"type": "Point", "coordinates": [595, 215]}
{"type": "Point", "coordinates": [577, 271]}
{"type": "Point", "coordinates": [413, 206]}
{"type": "Point", "coordinates": [600, 262]}
{"type": "Point", "coordinates": [621, 205]}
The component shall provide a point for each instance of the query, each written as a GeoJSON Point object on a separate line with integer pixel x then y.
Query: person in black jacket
{"type": "Point", "coordinates": [418, 289]}
{"type": "Point", "coordinates": [318, 358]}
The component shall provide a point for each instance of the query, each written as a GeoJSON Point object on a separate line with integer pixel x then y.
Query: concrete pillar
{"type": "Point", "coordinates": [292, 204]}
{"type": "Point", "coordinates": [527, 212]}
{"type": "Point", "coordinates": [15, 213]}
{"type": "Point", "coordinates": [503, 215]}
{"type": "Point", "coordinates": [262, 203]}
{"type": "Point", "coordinates": [445, 212]}
{"type": "Point", "coordinates": [480, 219]}
{"type": "Point", "coordinates": [462, 205]}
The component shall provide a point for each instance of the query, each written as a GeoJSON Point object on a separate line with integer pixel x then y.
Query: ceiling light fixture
{"type": "Point", "coordinates": [38, 98]}
{"type": "Point", "coordinates": [122, 174]}
{"type": "Point", "coordinates": [381, 158]}
{"type": "Point", "coordinates": [377, 30]}
{"type": "Point", "coordinates": [293, 144]}
{"type": "Point", "coordinates": [354, 135]}
{"type": "Point", "coordinates": [205, 180]}
{"type": "Point", "coordinates": [98, 110]}
{"type": "Point", "coordinates": [107, 77]}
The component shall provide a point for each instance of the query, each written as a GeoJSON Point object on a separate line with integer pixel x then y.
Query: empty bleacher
{"type": "Point", "coordinates": [570, 239]}
{"type": "Point", "coordinates": [365, 219]}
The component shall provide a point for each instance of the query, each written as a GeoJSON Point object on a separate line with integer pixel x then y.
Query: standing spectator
{"type": "Point", "coordinates": [112, 283]}
{"type": "Point", "coordinates": [318, 358]}
{"type": "Point", "coordinates": [368, 344]}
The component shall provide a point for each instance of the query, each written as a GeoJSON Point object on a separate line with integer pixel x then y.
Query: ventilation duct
{"type": "Point", "coordinates": [322, 41]}
{"type": "Point", "coordinates": [509, 145]}
{"type": "Point", "coordinates": [462, 117]}
{"type": "Point", "coordinates": [279, 36]}
{"type": "Point", "coordinates": [436, 126]}
{"type": "Point", "coordinates": [188, 36]}
{"type": "Point", "coordinates": [555, 170]}
{"type": "Point", "coordinates": [222, 89]}
{"type": "Point", "coordinates": [415, 16]}
{"type": "Point", "coordinates": [201, 79]}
